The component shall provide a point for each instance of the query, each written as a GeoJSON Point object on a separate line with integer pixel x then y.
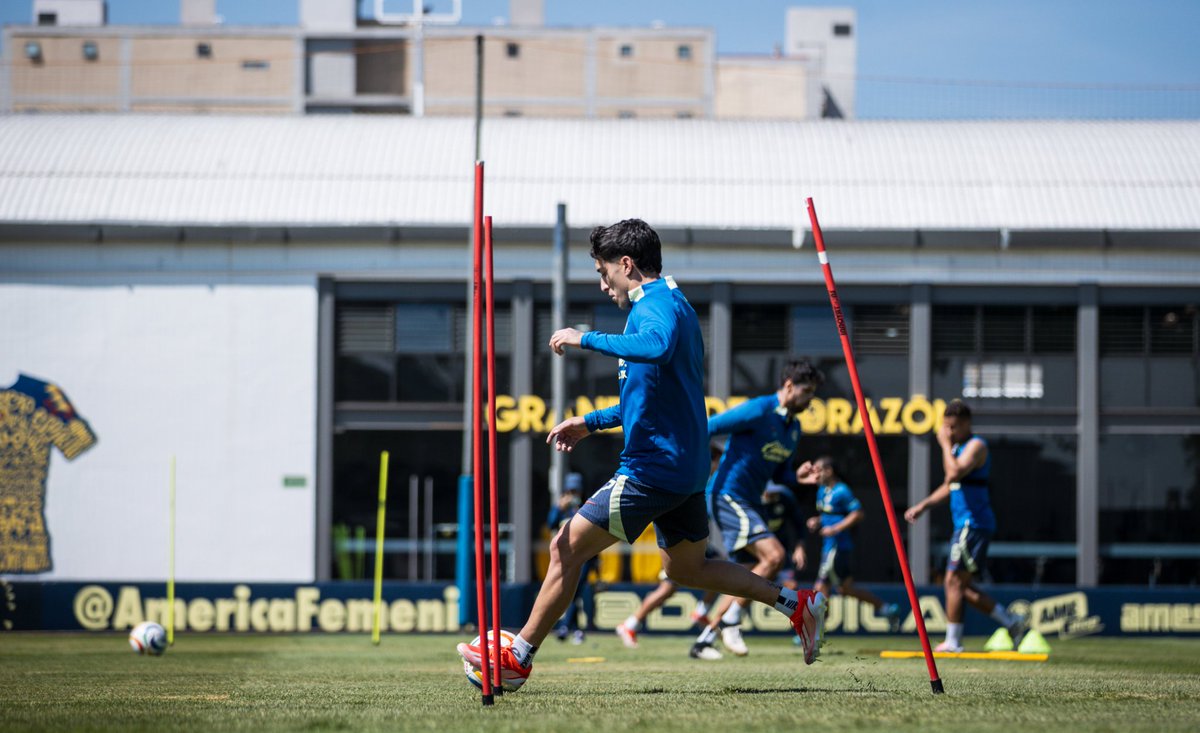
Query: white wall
{"type": "Point", "coordinates": [223, 377]}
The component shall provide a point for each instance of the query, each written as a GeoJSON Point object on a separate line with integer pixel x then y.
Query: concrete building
{"type": "Point", "coordinates": [274, 300]}
{"type": "Point", "coordinates": [418, 64]}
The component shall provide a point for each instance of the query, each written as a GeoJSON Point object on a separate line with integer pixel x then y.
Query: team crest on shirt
{"type": "Point", "coordinates": [775, 452]}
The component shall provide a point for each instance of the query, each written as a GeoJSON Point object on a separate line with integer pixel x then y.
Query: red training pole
{"type": "Point", "coordinates": [493, 502]}
{"type": "Point", "coordinates": [476, 393]}
{"type": "Point", "coordinates": [934, 681]}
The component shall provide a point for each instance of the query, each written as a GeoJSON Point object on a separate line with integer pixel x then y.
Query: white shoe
{"type": "Point", "coordinates": [946, 646]}
{"type": "Point", "coordinates": [731, 637]}
{"type": "Point", "coordinates": [706, 652]}
{"type": "Point", "coordinates": [628, 636]}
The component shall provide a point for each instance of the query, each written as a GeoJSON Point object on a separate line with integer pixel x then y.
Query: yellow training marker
{"type": "Point", "coordinates": [998, 656]}
{"type": "Point", "coordinates": [585, 660]}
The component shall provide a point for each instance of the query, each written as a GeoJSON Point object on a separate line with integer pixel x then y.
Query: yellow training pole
{"type": "Point", "coordinates": [171, 558]}
{"type": "Point", "coordinates": [383, 472]}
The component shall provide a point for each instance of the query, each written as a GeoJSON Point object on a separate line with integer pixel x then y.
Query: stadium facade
{"type": "Point", "coordinates": [274, 300]}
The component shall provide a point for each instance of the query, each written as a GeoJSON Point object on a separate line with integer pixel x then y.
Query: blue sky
{"type": "Point", "coordinates": [915, 57]}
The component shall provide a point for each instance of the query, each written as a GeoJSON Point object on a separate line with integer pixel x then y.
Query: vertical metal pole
{"type": "Point", "coordinates": [469, 347]}
{"type": "Point", "coordinates": [323, 561]}
{"type": "Point", "coordinates": [479, 97]}
{"type": "Point", "coordinates": [413, 529]}
{"type": "Point", "coordinates": [520, 452]}
{"type": "Point", "coordinates": [920, 350]}
{"type": "Point", "coordinates": [1087, 469]}
{"type": "Point", "coordinates": [429, 528]}
{"type": "Point", "coordinates": [720, 360]}
{"type": "Point", "coordinates": [558, 367]}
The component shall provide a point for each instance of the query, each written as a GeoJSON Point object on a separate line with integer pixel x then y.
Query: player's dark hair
{"type": "Point", "coordinates": [826, 460]}
{"type": "Point", "coordinates": [800, 371]}
{"type": "Point", "coordinates": [630, 237]}
{"type": "Point", "coordinates": [958, 409]}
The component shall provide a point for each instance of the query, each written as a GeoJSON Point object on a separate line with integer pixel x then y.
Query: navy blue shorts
{"type": "Point", "coordinates": [968, 550]}
{"type": "Point", "coordinates": [624, 508]}
{"type": "Point", "coordinates": [741, 523]}
{"type": "Point", "coordinates": [836, 566]}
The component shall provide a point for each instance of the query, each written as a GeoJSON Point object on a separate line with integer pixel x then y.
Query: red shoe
{"type": "Point", "coordinates": [512, 674]}
{"type": "Point", "coordinates": [628, 636]}
{"type": "Point", "coordinates": [808, 620]}
{"type": "Point", "coordinates": [699, 619]}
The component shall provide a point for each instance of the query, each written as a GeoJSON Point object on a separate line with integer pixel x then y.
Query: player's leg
{"type": "Point", "coordinates": [890, 611]}
{"type": "Point", "coordinates": [629, 629]}
{"type": "Point", "coordinates": [769, 555]}
{"type": "Point", "coordinates": [957, 577]}
{"type": "Point", "coordinates": [681, 535]}
{"type": "Point", "coordinates": [975, 559]}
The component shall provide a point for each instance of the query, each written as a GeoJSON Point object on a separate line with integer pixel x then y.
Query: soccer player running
{"type": "Point", "coordinates": [967, 463]}
{"type": "Point", "coordinates": [839, 510]}
{"type": "Point", "coordinates": [662, 468]}
{"type": "Point", "coordinates": [763, 433]}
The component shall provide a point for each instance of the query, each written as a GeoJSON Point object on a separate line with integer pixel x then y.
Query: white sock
{"type": "Point", "coordinates": [787, 602]}
{"type": "Point", "coordinates": [632, 623]}
{"type": "Point", "coordinates": [954, 634]}
{"type": "Point", "coordinates": [707, 636]}
{"type": "Point", "coordinates": [702, 608]}
{"type": "Point", "coordinates": [523, 651]}
{"type": "Point", "coordinates": [733, 616]}
{"type": "Point", "coordinates": [1001, 616]}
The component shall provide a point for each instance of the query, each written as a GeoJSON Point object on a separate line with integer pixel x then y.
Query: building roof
{"type": "Point", "coordinates": [322, 171]}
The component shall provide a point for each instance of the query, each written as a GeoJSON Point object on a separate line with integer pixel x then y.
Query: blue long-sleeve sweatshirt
{"type": "Point", "coordinates": [661, 376]}
{"type": "Point", "coordinates": [762, 439]}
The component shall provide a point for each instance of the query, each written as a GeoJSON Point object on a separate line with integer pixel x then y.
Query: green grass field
{"type": "Point", "coordinates": [339, 682]}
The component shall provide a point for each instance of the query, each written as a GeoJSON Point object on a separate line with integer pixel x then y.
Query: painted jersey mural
{"type": "Point", "coordinates": [35, 417]}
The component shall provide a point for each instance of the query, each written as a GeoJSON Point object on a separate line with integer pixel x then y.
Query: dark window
{"type": "Point", "coordinates": [1149, 356]}
{"type": "Point", "coordinates": [626, 114]}
{"type": "Point", "coordinates": [841, 29]}
{"type": "Point", "coordinates": [684, 52]}
{"type": "Point", "coordinates": [513, 113]}
{"type": "Point", "coordinates": [256, 65]}
{"type": "Point", "coordinates": [33, 51]}
{"type": "Point", "coordinates": [626, 50]}
{"type": "Point", "coordinates": [47, 19]}
{"type": "Point", "coordinates": [1149, 505]}
{"type": "Point", "coordinates": [1014, 355]}
{"type": "Point", "coordinates": [204, 50]}
{"type": "Point", "coordinates": [513, 50]}
{"type": "Point", "coordinates": [90, 51]}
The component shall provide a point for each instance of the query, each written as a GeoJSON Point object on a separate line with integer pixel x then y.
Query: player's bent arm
{"type": "Point", "coordinates": [939, 495]}
{"type": "Point", "coordinates": [735, 420]}
{"type": "Point", "coordinates": [653, 343]}
{"type": "Point", "coordinates": [956, 467]}
{"type": "Point", "coordinates": [565, 435]}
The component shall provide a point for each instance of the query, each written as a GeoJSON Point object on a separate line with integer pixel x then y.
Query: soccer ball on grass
{"type": "Point", "coordinates": [509, 681]}
{"type": "Point", "coordinates": [148, 638]}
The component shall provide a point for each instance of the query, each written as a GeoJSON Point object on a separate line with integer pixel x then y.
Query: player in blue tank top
{"type": "Point", "coordinates": [839, 511]}
{"type": "Point", "coordinates": [967, 463]}
{"type": "Point", "coordinates": [665, 459]}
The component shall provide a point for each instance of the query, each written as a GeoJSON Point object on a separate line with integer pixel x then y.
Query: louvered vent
{"type": "Point", "coordinates": [880, 329]}
{"type": "Point", "coordinates": [1054, 330]}
{"type": "Point", "coordinates": [365, 329]}
{"type": "Point", "coordinates": [1122, 331]}
{"type": "Point", "coordinates": [954, 329]}
{"type": "Point", "coordinates": [760, 328]}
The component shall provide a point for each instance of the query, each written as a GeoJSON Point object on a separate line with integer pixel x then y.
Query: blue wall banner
{"type": "Point", "coordinates": [1057, 612]}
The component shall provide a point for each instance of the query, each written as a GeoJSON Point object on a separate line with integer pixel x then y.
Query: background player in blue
{"type": "Point", "coordinates": [585, 595]}
{"type": "Point", "coordinates": [967, 463]}
{"type": "Point", "coordinates": [665, 460]}
{"type": "Point", "coordinates": [763, 433]}
{"type": "Point", "coordinates": [838, 511]}
{"type": "Point", "coordinates": [785, 520]}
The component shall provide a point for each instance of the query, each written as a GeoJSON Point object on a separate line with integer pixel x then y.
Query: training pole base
{"type": "Point", "coordinates": [498, 691]}
{"type": "Point", "coordinates": [937, 686]}
{"type": "Point", "coordinates": [488, 701]}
